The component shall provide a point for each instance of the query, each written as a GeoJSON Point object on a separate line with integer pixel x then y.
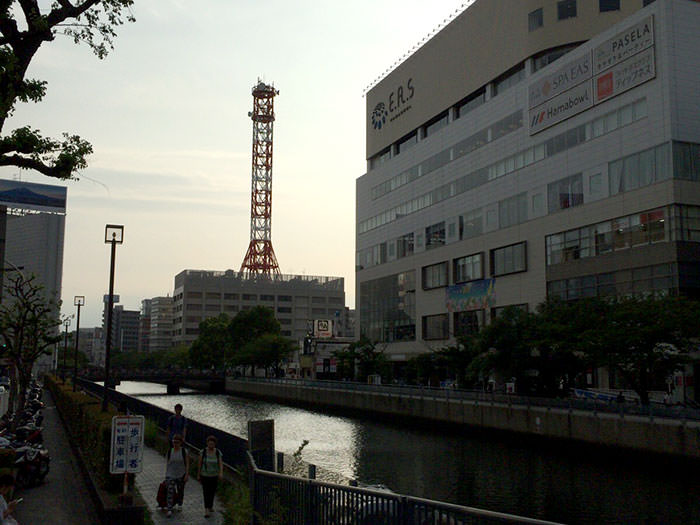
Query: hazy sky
{"type": "Point", "coordinates": [166, 113]}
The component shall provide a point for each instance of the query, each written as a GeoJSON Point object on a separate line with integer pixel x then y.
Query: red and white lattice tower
{"type": "Point", "coordinates": [260, 258]}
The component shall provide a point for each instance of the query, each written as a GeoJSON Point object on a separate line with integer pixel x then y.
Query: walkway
{"type": "Point", "coordinates": [65, 493]}
{"type": "Point", "coordinates": [63, 497]}
{"type": "Point", "coordinates": [193, 509]}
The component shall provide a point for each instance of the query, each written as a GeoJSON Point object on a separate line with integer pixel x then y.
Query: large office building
{"type": "Point", "coordinates": [530, 149]}
{"type": "Point", "coordinates": [296, 299]}
{"type": "Point", "coordinates": [32, 226]}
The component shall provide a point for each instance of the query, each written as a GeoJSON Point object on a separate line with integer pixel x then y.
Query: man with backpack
{"type": "Point", "coordinates": [177, 424]}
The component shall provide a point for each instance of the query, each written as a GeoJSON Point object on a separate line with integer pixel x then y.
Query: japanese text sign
{"type": "Point", "coordinates": [126, 451]}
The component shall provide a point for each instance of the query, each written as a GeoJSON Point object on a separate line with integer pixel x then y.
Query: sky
{"type": "Point", "coordinates": [167, 115]}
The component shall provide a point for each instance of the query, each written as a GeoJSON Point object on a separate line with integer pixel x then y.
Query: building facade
{"type": "Point", "coordinates": [530, 149]}
{"type": "Point", "coordinates": [295, 299]}
{"type": "Point", "coordinates": [145, 326]}
{"type": "Point", "coordinates": [161, 324]}
{"type": "Point", "coordinates": [32, 227]}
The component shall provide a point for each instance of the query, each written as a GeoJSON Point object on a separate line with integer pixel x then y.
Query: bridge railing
{"type": "Point", "coordinates": [626, 408]}
{"type": "Point", "coordinates": [279, 498]}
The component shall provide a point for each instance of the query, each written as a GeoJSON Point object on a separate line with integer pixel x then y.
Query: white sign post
{"type": "Point", "coordinates": [126, 451]}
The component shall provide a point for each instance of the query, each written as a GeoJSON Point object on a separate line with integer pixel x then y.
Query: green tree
{"type": "Point", "coordinates": [213, 345]}
{"type": "Point", "coordinates": [645, 339]}
{"type": "Point", "coordinates": [267, 351]}
{"type": "Point", "coordinates": [250, 324]}
{"type": "Point", "coordinates": [29, 325]}
{"type": "Point", "coordinates": [23, 30]}
{"type": "Point", "coordinates": [457, 359]}
{"type": "Point", "coordinates": [370, 360]}
{"type": "Point", "coordinates": [504, 347]}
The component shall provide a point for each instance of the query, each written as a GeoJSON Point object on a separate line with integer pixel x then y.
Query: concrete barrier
{"type": "Point", "coordinates": [675, 437]}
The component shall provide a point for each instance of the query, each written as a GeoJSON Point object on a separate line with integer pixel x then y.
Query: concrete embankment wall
{"type": "Point", "coordinates": [662, 436]}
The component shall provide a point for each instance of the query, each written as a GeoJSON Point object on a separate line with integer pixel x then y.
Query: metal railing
{"type": "Point", "coordinates": [233, 448]}
{"type": "Point", "coordinates": [284, 499]}
{"type": "Point", "coordinates": [627, 408]}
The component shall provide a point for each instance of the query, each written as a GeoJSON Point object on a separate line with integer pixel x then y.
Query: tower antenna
{"type": "Point", "coordinates": [260, 258]}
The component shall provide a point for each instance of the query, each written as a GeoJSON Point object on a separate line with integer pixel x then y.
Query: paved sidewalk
{"type": "Point", "coordinates": [63, 496]}
{"type": "Point", "coordinates": [193, 507]}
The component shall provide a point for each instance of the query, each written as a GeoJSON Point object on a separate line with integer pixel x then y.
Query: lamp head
{"type": "Point", "coordinates": [79, 300]}
{"type": "Point", "coordinates": [114, 233]}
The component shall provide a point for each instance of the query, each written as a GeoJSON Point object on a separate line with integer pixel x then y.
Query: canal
{"type": "Point", "coordinates": [570, 484]}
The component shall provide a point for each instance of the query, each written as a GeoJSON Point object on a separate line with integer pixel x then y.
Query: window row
{"type": "Point", "coordinates": [569, 139]}
{"type": "Point", "coordinates": [460, 149]}
{"type": "Point", "coordinates": [568, 9]}
{"type": "Point", "coordinates": [608, 236]}
{"type": "Point", "coordinates": [504, 261]}
{"type": "Point", "coordinates": [658, 280]}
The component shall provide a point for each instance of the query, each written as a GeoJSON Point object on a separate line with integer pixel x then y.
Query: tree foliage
{"type": "Point", "coordinates": [213, 345]}
{"type": "Point", "coordinates": [267, 351]}
{"type": "Point", "coordinates": [28, 329]}
{"type": "Point", "coordinates": [24, 28]}
{"type": "Point", "coordinates": [641, 339]}
{"type": "Point", "coordinates": [250, 324]}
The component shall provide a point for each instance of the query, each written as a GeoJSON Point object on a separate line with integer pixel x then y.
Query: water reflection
{"type": "Point", "coordinates": [570, 484]}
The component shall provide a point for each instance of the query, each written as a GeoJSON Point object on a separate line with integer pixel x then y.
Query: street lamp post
{"type": "Point", "coordinates": [78, 300]}
{"type": "Point", "coordinates": [66, 324]}
{"type": "Point", "coordinates": [114, 234]}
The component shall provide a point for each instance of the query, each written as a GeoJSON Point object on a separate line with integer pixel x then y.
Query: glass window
{"type": "Point", "coordinates": [565, 193]}
{"type": "Point", "coordinates": [435, 327]}
{"type": "Point", "coordinates": [284, 298]}
{"type": "Point", "coordinates": [509, 79]}
{"type": "Point", "coordinates": [387, 308]}
{"type": "Point", "coordinates": [404, 245]}
{"type": "Point", "coordinates": [609, 5]}
{"type": "Point", "coordinates": [535, 19]}
{"type": "Point", "coordinates": [537, 205]}
{"type": "Point", "coordinates": [471, 224]}
{"type": "Point", "coordinates": [469, 268]}
{"type": "Point", "coordinates": [407, 142]}
{"type": "Point", "coordinates": [471, 102]}
{"type": "Point", "coordinates": [509, 259]}
{"type": "Point", "coordinates": [566, 9]}
{"type": "Point", "coordinates": [686, 160]}
{"type": "Point", "coordinates": [436, 124]}
{"type": "Point", "coordinates": [435, 276]}
{"type": "Point", "coordinates": [595, 184]}
{"type": "Point", "coordinates": [284, 309]}
{"type": "Point", "coordinates": [512, 211]}
{"type": "Point", "coordinates": [435, 235]}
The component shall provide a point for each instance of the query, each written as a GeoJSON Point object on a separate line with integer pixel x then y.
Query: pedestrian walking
{"type": "Point", "coordinates": [176, 474]}
{"type": "Point", "coordinates": [209, 472]}
{"type": "Point", "coordinates": [177, 424]}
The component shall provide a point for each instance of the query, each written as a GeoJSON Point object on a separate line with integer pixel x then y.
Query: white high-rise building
{"type": "Point", "coordinates": [530, 149]}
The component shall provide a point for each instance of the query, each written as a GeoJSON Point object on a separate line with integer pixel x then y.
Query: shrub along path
{"type": "Point", "coordinates": [63, 497]}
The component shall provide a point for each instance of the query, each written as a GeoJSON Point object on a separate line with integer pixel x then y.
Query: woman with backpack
{"type": "Point", "coordinates": [176, 473]}
{"type": "Point", "coordinates": [210, 471]}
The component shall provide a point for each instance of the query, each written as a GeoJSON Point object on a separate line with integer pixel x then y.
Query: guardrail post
{"type": "Point", "coordinates": [280, 462]}
{"type": "Point", "coordinates": [404, 511]}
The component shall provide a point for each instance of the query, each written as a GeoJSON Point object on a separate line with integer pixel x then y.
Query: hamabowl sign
{"type": "Point", "coordinates": [561, 107]}
{"type": "Point", "coordinates": [619, 64]}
